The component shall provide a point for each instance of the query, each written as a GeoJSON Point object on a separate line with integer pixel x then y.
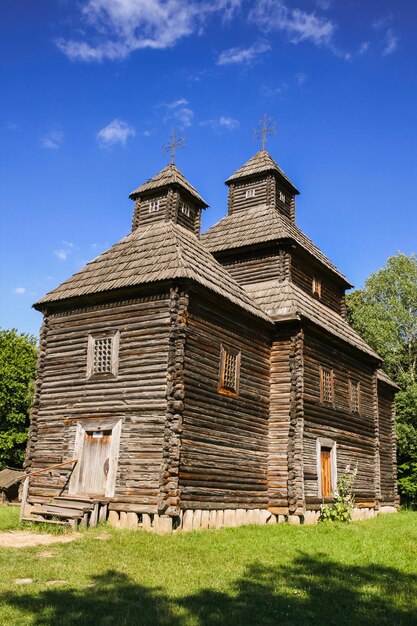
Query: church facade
{"type": "Point", "coordinates": [191, 382]}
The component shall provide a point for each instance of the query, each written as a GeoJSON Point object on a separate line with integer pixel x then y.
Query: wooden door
{"type": "Point", "coordinates": [326, 475]}
{"type": "Point", "coordinates": [95, 462]}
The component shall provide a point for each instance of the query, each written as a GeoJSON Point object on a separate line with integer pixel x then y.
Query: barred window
{"type": "Point", "coordinates": [185, 209]}
{"type": "Point", "coordinates": [354, 396]}
{"type": "Point", "coordinates": [103, 354]}
{"type": "Point", "coordinates": [326, 385]}
{"type": "Point", "coordinates": [282, 196]}
{"type": "Point", "coordinates": [316, 287]}
{"type": "Point", "coordinates": [153, 206]}
{"type": "Point", "coordinates": [229, 371]}
{"type": "Point", "coordinates": [250, 193]}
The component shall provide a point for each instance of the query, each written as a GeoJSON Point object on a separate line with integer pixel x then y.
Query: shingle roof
{"type": "Point", "coordinates": [9, 476]}
{"type": "Point", "coordinates": [160, 251]}
{"type": "Point", "coordinates": [286, 301]}
{"type": "Point", "coordinates": [261, 162]}
{"type": "Point", "coordinates": [170, 175]}
{"type": "Point", "coordinates": [383, 377]}
{"type": "Point", "coordinates": [257, 225]}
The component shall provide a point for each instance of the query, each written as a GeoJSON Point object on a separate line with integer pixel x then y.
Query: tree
{"type": "Point", "coordinates": [17, 373]}
{"type": "Point", "coordinates": [384, 313]}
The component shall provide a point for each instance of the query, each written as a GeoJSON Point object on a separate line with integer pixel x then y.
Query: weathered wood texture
{"type": "Point", "coordinates": [137, 395]}
{"type": "Point", "coordinates": [302, 274]}
{"type": "Point", "coordinates": [258, 266]}
{"type": "Point", "coordinates": [169, 208]}
{"type": "Point", "coordinates": [296, 484]}
{"type": "Point", "coordinates": [387, 445]}
{"type": "Point", "coordinates": [353, 433]}
{"type": "Point", "coordinates": [225, 438]}
{"type": "Point", "coordinates": [279, 419]}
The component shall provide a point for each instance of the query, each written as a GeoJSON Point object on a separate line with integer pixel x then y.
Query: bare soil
{"type": "Point", "coordinates": [24, 539]}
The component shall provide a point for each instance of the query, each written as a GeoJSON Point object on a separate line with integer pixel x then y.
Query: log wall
{"type": "Point", "coordinates": [387, 445]}
{"type": "Point", "coordinates": [354, 434]}
{"type": "Point", "coordinates": [302, 273]}
{"type": "Point", "coordinates": [137, 396]}
{"type": "Point", "coordinates": [224, 438]}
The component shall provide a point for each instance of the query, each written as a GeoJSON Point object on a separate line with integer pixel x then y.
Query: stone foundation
{"type": "Point", "coordinates": [224, 518]}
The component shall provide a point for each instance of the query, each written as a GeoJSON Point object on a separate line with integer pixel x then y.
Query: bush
{"type": "Point", "coordinates": [341, 508]}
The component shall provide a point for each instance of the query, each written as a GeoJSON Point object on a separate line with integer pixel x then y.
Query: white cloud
{"type": "Point", "coordinates": [61, 254]}
{"type": "Point", "coordinates": [19, 290]}
{"type": "Point", "coordinates": [390, 42]}
{"type": "Point", "coordinates": [270, 92]}
{"type": "Point", "coordinates": [116, 28]}
{"type": "Point", "coordinates": [274, 15]}
{"type": "Point", "coordinates": [381, 22]}
{"type": "Point", "coordinates": [116, 132]}
{"type": "Point", "coordinates": [179, 111]}
{"type": "Point", "coordinates": [242, 55]}
{"type": "Point", "coordinates": [228, 123]}
{"type": "Point", "coordinates": [301, 78]}
{"type": "Point", "coordinates": [364, 47]}
{"type": "Point", "coordinates": [53, 140]}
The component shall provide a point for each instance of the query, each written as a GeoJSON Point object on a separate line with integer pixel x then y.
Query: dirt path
{"type": "Point", "coordinates": [23, 539]}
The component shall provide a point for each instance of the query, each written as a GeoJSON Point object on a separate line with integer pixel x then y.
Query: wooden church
{"type": "Point", "coordinates": [189, 382]}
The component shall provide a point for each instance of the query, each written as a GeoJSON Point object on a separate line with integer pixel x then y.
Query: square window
{"type": "Point", "coordinates": [185, 209]}
{"type": "Point", "coordinates": [229, 371]}
{"type": "Point", "coordinates": [250, 193]}
{"type": "Point", "coordinates": [103, 354]}
{"type": "Point", "coordinates": [354, 396]}
{"type": "Point", "coordinates": [326, 386]}
{"type": "Point", "coordinates": [282, 196]}
{"type": "Point", "coordinates": [153, 206]}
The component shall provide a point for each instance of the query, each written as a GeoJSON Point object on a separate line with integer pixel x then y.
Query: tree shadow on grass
{"type": "Point", "coordinates": [310, 590]}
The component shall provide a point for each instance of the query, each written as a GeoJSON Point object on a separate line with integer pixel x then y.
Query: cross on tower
{"type": "Point", "coordinates": [176, 142]}
{"type": "Point", "coordinates": [267, 128]}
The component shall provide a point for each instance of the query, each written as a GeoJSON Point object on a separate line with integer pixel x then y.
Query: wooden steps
{"type": "Point", "coordinates": [66, 510]}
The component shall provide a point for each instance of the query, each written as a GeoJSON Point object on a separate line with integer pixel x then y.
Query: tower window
{"type": "Point", "coordinates": [250, 193]}
{"type": "Point", "coordinates": [185, 209]}
{"type": "Point", "coordinates": [326, 386]}
{"type": "Point", "coordinates": [229, 371]}
{"type": "Point", "coordinates": [282, 196]}
{"type": "Point", "coordinates": [354, 396]}
{"type": "Point", "coordinates": [103, 354]}
{"type": "Point", "coordinates": [153, 206]}
{"type": "Point", "coordinates": [316, 287]}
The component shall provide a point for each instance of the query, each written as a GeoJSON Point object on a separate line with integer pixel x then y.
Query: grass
{"type": "Point", "coordinates": [358, 574]}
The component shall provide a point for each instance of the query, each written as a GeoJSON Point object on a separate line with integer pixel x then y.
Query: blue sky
{"type": "Point", "coordinates": [91, 89]}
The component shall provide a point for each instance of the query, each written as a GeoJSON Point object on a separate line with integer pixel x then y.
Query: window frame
{"type": "Point", "coordinates": [250, 193]}
{"type": "Point", "coordinates": [185, 209]}
{"type": "Point", "coordinates": [236, 354]}
{"type": "Point", "coordinates": [154, 205]}
{"type": "Point", "coordinates": [91, 347]}
{"type": "Point", "coordinates": [352, 385]}
{"type": "Point", "coordinates": [282, 196]}
{"type": "Point", "coordinates": [322, 444]}
{"type": "Point", "coordinates": [324, 371]}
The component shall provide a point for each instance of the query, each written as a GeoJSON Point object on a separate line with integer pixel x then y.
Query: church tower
{"type": "Point", "coordinates": [260, 181]}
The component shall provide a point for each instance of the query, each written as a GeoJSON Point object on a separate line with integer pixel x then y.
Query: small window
{"type": "Point", "coordinates": [229, 371]}
{"type": "Point", "coordinates": [326, 386]}
{"type": "Point", "coordinates": [153, 206]}
{"type": "Point", "coordinates": [354, 396]}
{"type": "Point", "coordinates": [316, 287]}
{"type": "Point", "coordinates": [250, 193]}
{"type": "Point", "coordinates": [103, 354]}
{"type": "Point", "coordinates": [185, 209]}
{"type": "Point", "coordinates": [282, 196]}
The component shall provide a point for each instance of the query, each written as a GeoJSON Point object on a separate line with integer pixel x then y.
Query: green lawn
{"type": "Point", "coordinates": [359, 574]}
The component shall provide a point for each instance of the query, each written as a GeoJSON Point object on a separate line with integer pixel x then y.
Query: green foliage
{"type": "Point", "coordinates": [17, 372]}
{"type": "Point", "coordinates": [341, 508]}
{"type": "Point", "coordinates": [384, 312]}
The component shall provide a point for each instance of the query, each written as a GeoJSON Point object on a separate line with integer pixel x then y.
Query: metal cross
{"type": "Point", "coordinates": [176, 142]}
{"type": "Point", "coordinates": [267, 127]}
